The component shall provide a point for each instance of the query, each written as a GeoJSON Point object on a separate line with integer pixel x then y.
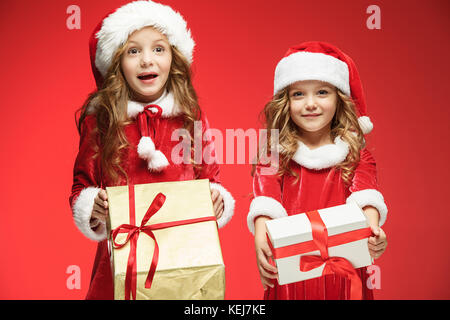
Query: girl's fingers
{"type": "Point", "coordinates": [217, 205]}
{"type": "Point", "coordinates": [214, 194]}
{"type": "Point", "coordinates": [262, 257]}
{"type": "Point", "coordinates": [99, 207]}
{"type": "Point", "coordinates": [377, 245]}
{"type": "Point", "coordinates": [99, 212]}
{"type": "Point", "coordinates": [265, 273]}
{"type": "Point", "coordinates": [375, 230]}
{"type": "Point", "coordinates": [101, 202]}
{"type": "Point", "coordinates": [376, 240]}
{"type": "Point", "coordinates": [375, 255]}
{"type": "Point", "coordinates": [266, 249]}
{"type": "Point", "coordinates": [377, 248]}
{"type": "Point", "coordinates": [103, 195]}
{"type": "Point", "coordinates": [219, 200]}
{"type": "Point", "coordinates": [220, 211]}
{"type": "Point", "coordinates": [266, 283]}
{"type": "Point", "coordinates": [97, 215]}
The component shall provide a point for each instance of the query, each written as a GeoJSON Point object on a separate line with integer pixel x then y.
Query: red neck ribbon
{"type": "Point", "coordinates": [321, 242]}
{"type": "Point", "coordinates": [148, 115]}
{"type": "Point", "coordinates": [133, 231]}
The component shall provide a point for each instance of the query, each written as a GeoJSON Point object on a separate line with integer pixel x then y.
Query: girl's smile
{"type": "Point", "coordinates": [148, 80]}
{"type": "Point", "coordinates": [311, 115]}
{"type": "Point", "coordinates": [147, 77]}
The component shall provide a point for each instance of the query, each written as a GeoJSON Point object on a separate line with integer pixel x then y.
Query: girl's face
{"type": "Point", "coordinates": [312, 105]}
{"type": "Point", "coordinates": [146, 63]}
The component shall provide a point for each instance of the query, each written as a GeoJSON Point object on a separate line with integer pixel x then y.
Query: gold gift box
{"type": "Point", "coordinates": [190, 264]}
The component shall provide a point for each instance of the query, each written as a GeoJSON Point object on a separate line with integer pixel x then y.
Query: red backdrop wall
{"type": "Point", "coordinates": [404, 66]}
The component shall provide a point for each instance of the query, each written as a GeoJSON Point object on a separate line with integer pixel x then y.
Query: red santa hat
{"type": "Point", "coordinates": [115, 28]}
{"type": "Point", "coordinates": [315, 60]}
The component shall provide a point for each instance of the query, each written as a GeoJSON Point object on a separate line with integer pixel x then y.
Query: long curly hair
{"type": "Point", "coordinates": [109, 104]}
{"type": "Point", "coordinates": [344, 124]}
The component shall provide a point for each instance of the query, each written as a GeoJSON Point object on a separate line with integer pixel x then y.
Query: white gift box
{"type": "Point", "coordinates": [296, 229]}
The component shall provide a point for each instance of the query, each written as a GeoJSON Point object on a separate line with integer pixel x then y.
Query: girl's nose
{"type": "Point", "coordinates": [146, 59]}
{"type": "Point", "coordinates": [310, 103]}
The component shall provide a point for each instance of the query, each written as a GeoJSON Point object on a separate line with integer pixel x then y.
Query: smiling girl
{"type": "Point", "coordinates": [323, 160]}
{"type": "Point", "coordinates": [140, 56]}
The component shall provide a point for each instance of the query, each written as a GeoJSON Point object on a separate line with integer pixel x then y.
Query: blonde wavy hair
{"type": "Point", "coordinates": [344, 124]}
{"type": "Point", "coordinates": [110, 107]}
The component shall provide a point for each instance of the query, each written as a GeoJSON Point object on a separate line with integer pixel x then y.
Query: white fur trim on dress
{"type": "Point", "coordinates": [166, 102]}
{"type": "Point", "coordinates": [370, 197]}
{"type": "Point", "coordinates": [133, 16]}
{"type": "Point", "coordinates": [228, 204]}
{"type": "Point", "coordinates": [323, 157]}
{"type": "Point", "coordinates": [82, 210]}
{"type": "Point", "coordinates": [264, 206]}
{"type": "Point", "coordinates": [301, 66]}
{"type": "Point", "coordinates": [365, 124]}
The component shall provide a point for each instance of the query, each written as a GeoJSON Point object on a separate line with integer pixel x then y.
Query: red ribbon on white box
{"type": "Point", "coordinates": [321, 241]}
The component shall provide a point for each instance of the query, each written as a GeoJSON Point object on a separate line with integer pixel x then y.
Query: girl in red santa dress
{"type": "Point", "coordinates": [323, 160]}
{"type": "Point", "coordinates": [140, 56]}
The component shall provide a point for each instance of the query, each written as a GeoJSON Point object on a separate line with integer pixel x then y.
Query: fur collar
{"type": "Point", "coordinates": [323, 157]}
{"type": "Point", "coordinates": [166, 102]}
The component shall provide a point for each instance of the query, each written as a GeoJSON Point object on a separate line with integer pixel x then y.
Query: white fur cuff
{"type": "Point", "coordinates": [370, 197]}
{"type": "Point", "coordinates": [82, 209]}
{"type": "Point", "coordinates": [264, 206]}
{"type": "Point", "coordinates": [228, 204]}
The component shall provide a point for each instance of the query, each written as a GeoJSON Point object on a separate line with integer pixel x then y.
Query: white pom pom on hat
{"type": "Point", "coordinates": [317, 60]}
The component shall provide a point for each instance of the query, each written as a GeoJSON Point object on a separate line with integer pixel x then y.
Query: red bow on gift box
{"type": "Point", "coordinates": [321, 242]}
{"type": "Point", "coordinates": [333, 265]}
{"type": "Point", "coordinates": [133, 231]}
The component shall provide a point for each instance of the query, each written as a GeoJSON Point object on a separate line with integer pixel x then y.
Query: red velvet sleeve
{"type": "Point", "coordinates": [364, 187]}
{"type": "Point", "coordinates": [86, 171]}
{"type": "Point", "coordinates": [365, 176]}
{"type": "Point", "coordinates": [267, 190]}
{"type": "Point", "coordinates": [87, 183]}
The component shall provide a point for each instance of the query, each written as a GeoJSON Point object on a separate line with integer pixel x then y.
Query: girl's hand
{"type": "Point", "coordinates": [100, 210]}
{"type": "Point", "coordinates": [267, 271]}
{"type": "Point", "coordinates": [377, 243]}
{"type": "Point", "coordinates": [217, 203]}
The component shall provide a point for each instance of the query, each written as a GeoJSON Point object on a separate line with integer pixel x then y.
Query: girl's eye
{"type": "Point", "coordinates": [159, 49]}
{"type": "Point", "coordinates": [297, 94]}
{"type": "Point", "coordinates": [322, 92]}
{"type": "Point", "coordinates": [133, 51]}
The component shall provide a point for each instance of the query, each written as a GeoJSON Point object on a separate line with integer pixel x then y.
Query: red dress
{"type": "Point", "coordinates": [319, 186]}
{"type": "Point", "coordinates": [88, 179]}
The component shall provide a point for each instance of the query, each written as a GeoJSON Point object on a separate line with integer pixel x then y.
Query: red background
{"type": "Point", "coordinates": [404, 67]}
